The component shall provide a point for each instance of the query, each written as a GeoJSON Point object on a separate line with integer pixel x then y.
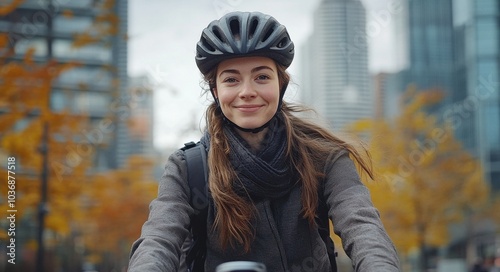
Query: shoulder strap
{"type": "Point", "coordinates": [324, 231]}
{"type": "Point", "coordinates": [196, 160]}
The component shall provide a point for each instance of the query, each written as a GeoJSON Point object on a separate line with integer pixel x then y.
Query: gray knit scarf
{"type": "Point", "coordinates": [267, 173]}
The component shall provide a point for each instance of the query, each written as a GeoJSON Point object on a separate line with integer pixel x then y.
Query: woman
{"type": "Point", "coordinates": [268, 168]}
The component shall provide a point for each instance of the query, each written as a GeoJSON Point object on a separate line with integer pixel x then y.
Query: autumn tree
{"type": "Point", "coordinates": [26, 114]}
{"type": "Point", "coordinates": [426, 179]}
{"type": "Point", "coordinates": [117, 202]}
{"type": "Point", "coordinates": [26, 85]}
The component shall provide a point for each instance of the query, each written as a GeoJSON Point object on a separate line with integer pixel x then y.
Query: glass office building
{"type": "Point", "coordinates": [431, 45]}
{"type": "Point", "coordinates": [477, 28]}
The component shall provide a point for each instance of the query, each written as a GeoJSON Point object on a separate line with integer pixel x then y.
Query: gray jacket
{"type": "Point", "coordinates": [284, 240]}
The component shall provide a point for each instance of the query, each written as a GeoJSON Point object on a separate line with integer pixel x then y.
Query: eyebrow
{"type": "Point", "coordinates": [256, 69]}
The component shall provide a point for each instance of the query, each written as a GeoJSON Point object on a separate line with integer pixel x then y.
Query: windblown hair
{"type": "Point", "coordinates": [309, 145]}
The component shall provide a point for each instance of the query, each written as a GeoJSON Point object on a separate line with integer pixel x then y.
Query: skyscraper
{"type": "Point", "coordinates": [476, 113]}
{"type": "Point", "coordinates": [431, 45]}
{"type": "Point", "coordinates": [335, 64]}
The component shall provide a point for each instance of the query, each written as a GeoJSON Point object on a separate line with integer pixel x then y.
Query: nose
{"type": "Point", "coordinates": [247, 91]}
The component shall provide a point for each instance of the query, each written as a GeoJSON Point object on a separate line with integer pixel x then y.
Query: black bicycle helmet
{"type": "Point", "coordinates": [243, 34]}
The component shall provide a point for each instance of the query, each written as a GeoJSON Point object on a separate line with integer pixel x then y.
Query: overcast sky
{"type": "Point", "coordinates": [163, 36]}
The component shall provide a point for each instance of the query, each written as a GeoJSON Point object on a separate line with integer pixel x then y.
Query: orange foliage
{"type": "Point", "coordinates": [6, 9]}
{"type": "Point", "coordinates": [68, 13]}
{"type": "Point", "coordinates": [4, 40]}
{"type": "Point", "coordinates": [118, 205]}
{"type": "Point", "coordinates": [107, 209]}
{"type": "Point", "coordinates": [105, 25]}
{"type": "Point", "coordinates": [426, 178]}
{"type": "Point", "coordinates": [25, 88]}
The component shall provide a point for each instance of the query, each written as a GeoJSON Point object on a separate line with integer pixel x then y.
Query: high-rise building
{"type": "Point", "coordinates": [476, 113]}
{"type": "Point", "coordinates": [335, 64]}
{"type": "Point", "coordinates": [98, 86]}
{"type": "Point", "coordinates": [431, 46]}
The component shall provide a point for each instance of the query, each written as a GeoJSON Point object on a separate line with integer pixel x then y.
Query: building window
{"type": "Point", "coordinates": [486, 7]}
{"type": "Point", "coordinates": [487, 83]}
{"type": "Point", "coordinates": [491, 119]}
{"type": "Point", "coordinates": [58, 100]}
{"type": "Point", "coordinates": [72, 24]}
{"type": "Point", "coordinates": [38, 45]}
{"type": "Point", "coordinates": [495, 181]}
{"type": "Point", "coordinates": [41, 3]}
{"type": "Point", "coordinates": [75, 4]}
{"type": "Point", "coordinates": [65, 49]}
{"type": "Point", "coordinates": [4, 26]}
{"type": "Point", "coordinates": [487, 37]}
{"type": "Point", "coordinates": [92, 102]}
{"type": "Point", "coordinates": [78, 102]}
{"type": "Point", "coordinates": [86, 76]}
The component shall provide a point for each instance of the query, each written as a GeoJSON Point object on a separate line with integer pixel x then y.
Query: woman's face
{"type": "Point", "coordinates": [248, 90]}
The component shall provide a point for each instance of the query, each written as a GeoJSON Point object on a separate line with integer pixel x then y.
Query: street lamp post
{"type": "Point", "coordinates": [42, 208]}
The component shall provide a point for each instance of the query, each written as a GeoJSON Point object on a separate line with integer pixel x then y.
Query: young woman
{"type": "Point", "coordinates": [268, 169]}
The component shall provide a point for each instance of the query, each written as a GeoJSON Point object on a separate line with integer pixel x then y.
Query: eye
{"type": "Point", "coordinates": [229, 80]}
{"type": "Point", "coordinates": [263, 77]}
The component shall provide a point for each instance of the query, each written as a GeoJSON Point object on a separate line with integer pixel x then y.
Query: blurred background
{"type": "Point", "coordinates": [96, 94]}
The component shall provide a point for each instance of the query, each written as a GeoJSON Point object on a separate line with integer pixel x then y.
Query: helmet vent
{"type": "Point", "coordinates": [216, 32]}
{"type": "Point", "coordinates": [253, 27]}
{"type": "Point", "coordinates": [283, 42]}
{"type": "Point", "coordinates": [235, 29]}
{"type": "Point", "coordinates": [207, 44]}
{"type": "Point", "coordinates": [268, 34]}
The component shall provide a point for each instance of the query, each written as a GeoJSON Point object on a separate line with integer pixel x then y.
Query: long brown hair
{"type": "Point", "coordinates": [309, 145]}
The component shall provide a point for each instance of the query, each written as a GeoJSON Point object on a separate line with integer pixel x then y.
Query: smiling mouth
{"type": "Point", "coordinates": [249, 108]}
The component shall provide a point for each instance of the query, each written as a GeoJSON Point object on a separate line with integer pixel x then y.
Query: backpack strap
{"type": "Point", "coordinates": [196, 160]}
{"type": "Point", "coordinates": [324, 230]}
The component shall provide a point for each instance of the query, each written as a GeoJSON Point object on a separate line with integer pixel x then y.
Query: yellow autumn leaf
{"type": "Point", "coordinates": [429, 179]}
